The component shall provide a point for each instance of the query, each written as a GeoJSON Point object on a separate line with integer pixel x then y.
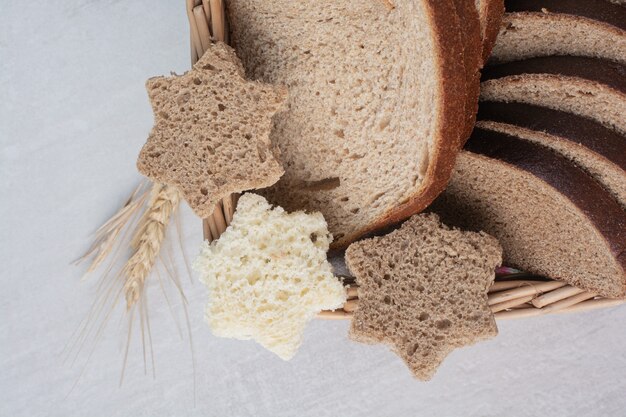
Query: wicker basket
{"type": "Point", "coordinates": [513, 295]}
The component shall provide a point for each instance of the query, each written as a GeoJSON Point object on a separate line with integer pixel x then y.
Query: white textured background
{"type": "Point", "coordinates": [73, 115]}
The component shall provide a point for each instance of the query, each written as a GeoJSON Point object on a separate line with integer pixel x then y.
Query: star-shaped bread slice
{"type": "Point", "coordinates": [423, 290]}
{"type": "Point", "coordinates": [211, 133]}
{"type": "Point", "coordinates": [268, 275]}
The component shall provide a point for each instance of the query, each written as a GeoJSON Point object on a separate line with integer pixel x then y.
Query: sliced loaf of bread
{"type": "Point", "coordinates": [268, 275]}
{"type": "Point", "coordinates": [590, 87]}
{"type": "Point", "coordinates": [490, 12]}
{"type": "Point", "coordinates": [550, 217]}
{"type": "Point", "coordinates": [600, 151]}
{"type": "Point", "coordinates": [533, 28]}
{"type": "Point", "coordinates": [423, 290]}
{"type": "Point", "coordinates": [376, 104]}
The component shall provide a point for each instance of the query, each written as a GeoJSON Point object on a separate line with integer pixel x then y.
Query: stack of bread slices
{"type": "Point", "coordinates": [544, 170]}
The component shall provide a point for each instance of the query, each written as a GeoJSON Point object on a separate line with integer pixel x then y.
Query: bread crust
{"type": "Point", "coordinates": [450, 122]}
{"type": "Point", "coordinates": [602, 210]}
{"type": "Point", "coordinates": [493, 11]}
{"type": "Point", "coordinates": [472, 61]}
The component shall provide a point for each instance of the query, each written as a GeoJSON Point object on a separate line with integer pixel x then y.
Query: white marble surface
{"type": "Point", "coordinates": [73, 115]}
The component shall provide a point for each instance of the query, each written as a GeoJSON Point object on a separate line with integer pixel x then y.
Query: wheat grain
{"type": "Point", "coordinates": [148, 239]}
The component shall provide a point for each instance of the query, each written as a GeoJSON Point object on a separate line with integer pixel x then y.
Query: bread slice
{"type": "Point", "coordinates": [550, 217]}
{"type": "Point", "coordinates": [472, 60]}
{"type": "Point", "coordinates": [533, 28]}
{"type": "Point", "coordinates": [423, 290]}
{"type": "Point", "coordinates": [599, 151]}
{"type": "Point", "coordinates": [211, 131]}
{"type": "Point", "coordinates": [588, 87]}
{"type": "Point", "coordinates": [376, 104]}
{"type": "Point", "coordinates": [490, 12]}
{"type": "Point", "coordinates": [268, 275]}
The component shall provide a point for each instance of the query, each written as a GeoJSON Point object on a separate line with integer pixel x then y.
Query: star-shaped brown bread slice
{"type": "Point", "coordinates": [211, 132]}
{"type": "Point", "coordinates": [423, 290]}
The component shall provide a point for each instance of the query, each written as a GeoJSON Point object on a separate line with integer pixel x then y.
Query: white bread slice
{"type": "Point", "coordinates": [532, 28]}
{"type": "Point", "coordinates": [550, 217]}
{"type": "Point", "coordinates": [376, 103]}
{"type": "Point", "coordinates": [423, 290]}
{"type": "Point", "coordinates": [268, 275]}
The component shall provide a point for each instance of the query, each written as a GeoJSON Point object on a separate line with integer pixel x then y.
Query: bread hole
{"type": "Point", "coordinates": [423, 316]}
{"type": "Point", "coordinates": [164, 115]}
{"type": "Point", "coordinates": [355, 210]}
{"type": "Point", "coordinates": [197, 81]}
{"type": "Point", "coordinates": [204, 191]}
{"type": "Point", "coordinates": [332, 81]}
{"type": "Point", "coordinates": [384, 123]}
{"type": "Point", "coordinates": [386, 277]}
{"type": "Point", "coordinates": [344, 199]}
{"type": "Point", "coordinates": [326, 184]}
{"type": "Point", "coordinates": [307, 52]}
{"type": "Point", "coordinates": [154, 154]}
{"type": "Point", "coordinates": [221, 107]}
{"type": "Point", "coordinates": [387, 299]}
{"type": "Point", "coordinates": [183, 99]}
{"type": "Point", "coordinates": [313, 237]}
{"type": "Point", "coordinates": [412, 349]}
{"type": "Point", "coordinates": [443, 324]}
{"type": "Point", "coordinates": [261, 152]}
{"type": "Point", "coordinates": [209, 67]}
{"type": "Point", "coordinates": [340, 133]}
{"type": "Point", "coordinates": [439, 337]}
{"type": "Point", "coordinates": [339, 236]}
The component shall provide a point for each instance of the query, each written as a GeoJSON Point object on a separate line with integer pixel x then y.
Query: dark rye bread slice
{"type": "Point", "coordinates": [490, 12]}
{"type": "Point", "coordinates": [599, 151]}
{"type": "Point", "coordinates": [376, 105]}
{"type": "Point", "coordinates": [472, 60]}
{"type": "Point", "coordinates": [589, 87]}
{"type": "Point", "coordinates": [532, 28]}
{"type": "Point", "coordinates": [550, 217]}
{"type": "Point", "coordinates": [423, 290]}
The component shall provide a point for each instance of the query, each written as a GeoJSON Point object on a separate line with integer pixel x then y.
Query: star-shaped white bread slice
{"type": "Point", "coordinates": [268, 275]}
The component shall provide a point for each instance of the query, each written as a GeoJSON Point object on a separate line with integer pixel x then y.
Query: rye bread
{"type": "Point", "coordinates": [211, 131]}
{"type": "Point", "coordinates": [423, 290]}
{"type": "Point", "coordinates": [490, 12]}
{"type": "Point", "coordinates": [532, 28]}
{"type": "Point", "coordinates": [550, 217]}
{"type": "Point", "coordinates": [590, 87]}
{"type": "Point", "coordinates": [376, 103]}
{"type": "Point", "coordinates": [599, 151]}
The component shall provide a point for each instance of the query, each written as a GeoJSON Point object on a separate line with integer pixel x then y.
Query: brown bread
{"type": "Point", "coordinates": [423, 290]}
{"type": "Point", "coordinates": [550, 217]}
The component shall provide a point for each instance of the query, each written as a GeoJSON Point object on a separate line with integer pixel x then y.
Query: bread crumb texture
{"type": "Point", "coordinates": [268, 275]}
{"type": "Point", "coordinates": [423, 290]}
{"type": "Point", "coordinates": [211, 132]}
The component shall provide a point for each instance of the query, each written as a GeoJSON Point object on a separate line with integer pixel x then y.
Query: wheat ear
{"type": "Point", "coordinates": [148, 239]}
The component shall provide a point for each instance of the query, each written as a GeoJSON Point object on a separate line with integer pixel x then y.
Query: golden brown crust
{"type": "Point", "coordinates": [494, 10]}
{"type": "Point", "coordinates": [472, 60]}
{"type": "Point", "coordinates": [451, 119]}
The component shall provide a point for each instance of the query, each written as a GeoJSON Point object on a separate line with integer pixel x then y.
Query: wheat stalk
{"type": "Point", "coordinates": [148, 239]}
